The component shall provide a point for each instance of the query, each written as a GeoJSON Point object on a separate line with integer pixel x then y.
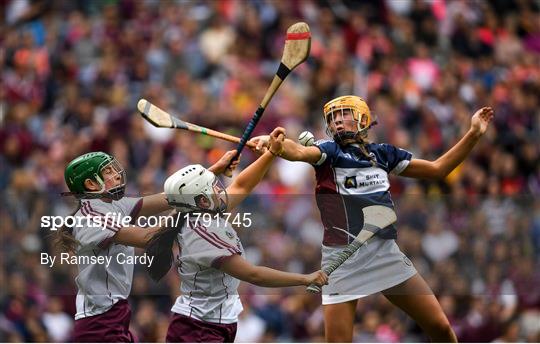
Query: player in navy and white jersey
{"type": "Point", "coordinates": [211, 256]}
{"type": "Point", "coordinates": [352, 174]}
{"type": "Point", "coordinates": [348, 180]}
{"type": "Point", "coordinates": [98, 181]}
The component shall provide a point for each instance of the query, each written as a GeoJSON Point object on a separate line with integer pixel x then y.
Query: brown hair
{"type": "Point", "coordinates": [160, 248]}
{"type": "Point", "coordinates": [64, 239]}
{"type": "Point", "coordinates": [365, 151]}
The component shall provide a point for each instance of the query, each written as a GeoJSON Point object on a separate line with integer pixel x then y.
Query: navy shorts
{"type": "Point", "coordinates": [111, 326]}
{"type": "Point", "coordinates": [183, 329]}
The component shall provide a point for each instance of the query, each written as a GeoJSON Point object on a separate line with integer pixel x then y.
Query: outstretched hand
{"type": "Point", "coordinates": [480, 120]}
{"type": "Point", "coordinates": [275, 143]}
{"type": "Point", "coordinates": [261, 143]}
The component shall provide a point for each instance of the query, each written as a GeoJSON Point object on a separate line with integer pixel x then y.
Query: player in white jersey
{"type": "Point", "coordinates": [211, 256]}
{"type": "Point", "coordinates": [352, 174]}
{"type": "Point", "coordinates": [103, 242]}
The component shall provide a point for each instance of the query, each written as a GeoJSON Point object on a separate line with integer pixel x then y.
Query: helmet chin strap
{"type": "Point", "coordinates": [351, 136]}
{"type": "Point", "coordinates": [345, 137]}
{"type": "Point", "coordinates": [116, 193]}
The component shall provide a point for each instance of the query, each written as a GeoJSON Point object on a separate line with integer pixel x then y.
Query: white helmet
{"type": "Point", "coordinates": [194, 188]}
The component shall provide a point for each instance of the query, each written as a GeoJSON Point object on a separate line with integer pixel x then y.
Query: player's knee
{"type": "Point", "coordinates": [334, 337]}
{"type": "Point", "coordinates": [339, 332]}
{"type": "Point", "coordinates": [339, 322]}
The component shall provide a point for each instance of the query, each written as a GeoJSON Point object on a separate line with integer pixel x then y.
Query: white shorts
{"type": "Point", "coordinates": [376, 266]}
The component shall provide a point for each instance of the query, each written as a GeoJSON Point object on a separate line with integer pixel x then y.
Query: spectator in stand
{"type": "Point", "coordinates": [72, 72]}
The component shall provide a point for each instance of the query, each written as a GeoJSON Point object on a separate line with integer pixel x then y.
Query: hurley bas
{"type": "Point", "coordinates": [121, 258]}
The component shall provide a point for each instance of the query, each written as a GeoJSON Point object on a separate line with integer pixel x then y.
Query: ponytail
{"type": "Point", "coordinates": [64, 239]}
{"type": "Point", "coordinates": [160, 248]}
{"type": "Point", "coordinates": [363, 146]}
{"type": "Point", "coordinates": [365, 151]}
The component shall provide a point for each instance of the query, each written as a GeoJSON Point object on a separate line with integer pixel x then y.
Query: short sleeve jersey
{"type": "Point", "coordinates": [207, 293]}
{"type": "Point", "coordinates": [100, 286]}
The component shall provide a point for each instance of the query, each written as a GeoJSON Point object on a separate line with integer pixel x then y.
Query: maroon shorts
{"type": "Point", "coordinates": [183, 329]}
{"type": "Point", "coordinates": [111, 326]}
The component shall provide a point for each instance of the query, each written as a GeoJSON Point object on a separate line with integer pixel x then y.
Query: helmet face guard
{"type": "Point", "coordinates": [195, 189]}
{"type": "Point", "coordinates": [350, 112]}
{"type": "Point", "coordinates": [112, 171]}
{"type": "Point", "coordinates": [99, 167]}
{"type": "Point", "coordinates": [343, 117]}
{"type": "Point", "coordinates": [213, 202]}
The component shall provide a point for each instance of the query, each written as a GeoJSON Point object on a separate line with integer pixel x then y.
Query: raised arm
{"type": "Point", "coordinates": [154, 204]}
{"type": "Point", "coordinates": [292, 151]}
{"type": "Point", "coordinates": [238, 267]}
{"type": "Point", "coordinates": [440, 168]}
{"type": "Point", "coordinates": [157, 203]}
{"type": "Point", "coordinates": [246, 181]}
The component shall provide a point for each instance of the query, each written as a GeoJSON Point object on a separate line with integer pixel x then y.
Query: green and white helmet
{"type": "Point", "coordinates": [91, 166]}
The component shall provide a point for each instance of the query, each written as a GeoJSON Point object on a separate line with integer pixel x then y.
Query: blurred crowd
{"type": "Point", "coordinates": [72, 72]}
